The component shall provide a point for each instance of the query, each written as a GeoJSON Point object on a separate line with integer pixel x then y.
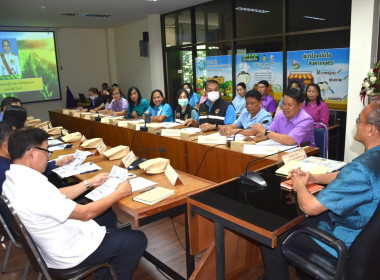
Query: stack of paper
{"type": "Point", "coordinates": [76, 167]}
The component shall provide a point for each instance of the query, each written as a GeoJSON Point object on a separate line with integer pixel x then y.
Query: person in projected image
{"type": "Point", "coordinates": [9, 62]}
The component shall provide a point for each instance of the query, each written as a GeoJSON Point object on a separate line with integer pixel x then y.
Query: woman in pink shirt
{"type": "Point", "coordinates": [315, 106]}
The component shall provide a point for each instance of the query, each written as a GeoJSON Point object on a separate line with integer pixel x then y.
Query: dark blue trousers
{"type": "Point", "coordinates": [122, 249]}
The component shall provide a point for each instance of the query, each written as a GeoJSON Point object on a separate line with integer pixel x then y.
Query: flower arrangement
{"type": "Point", "coordinates": [371, 83]}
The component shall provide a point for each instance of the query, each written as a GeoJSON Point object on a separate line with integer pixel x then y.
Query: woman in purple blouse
{"type": "Point", "coordinates": [315, 106]}
{"type": "Point", "coordinates": [118, 106]}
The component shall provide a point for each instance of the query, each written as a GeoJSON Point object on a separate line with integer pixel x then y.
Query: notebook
{"type": "Point", "coordinates": [313, 188]}
{"type": "Point", "coordinates": [154, 196]}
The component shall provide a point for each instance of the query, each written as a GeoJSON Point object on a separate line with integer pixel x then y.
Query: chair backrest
{"type": "Point", "coordinates": [364, 253]}
{"type": "Point", "coordinates": [24, 238]}
{"type": "Point", "coordinates": [321, 138]}
{"type": "Point", "coordinates": [82, 98]}
{"type": "Point", "coordinates": [333, 118]}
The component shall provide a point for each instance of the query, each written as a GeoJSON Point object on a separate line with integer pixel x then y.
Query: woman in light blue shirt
{"type": "Point", "coordinates": [239, 100]}
{"type": "Point", "coordinates": [193, 96]}
{"type": "Point", "coordinates": [159, 108]}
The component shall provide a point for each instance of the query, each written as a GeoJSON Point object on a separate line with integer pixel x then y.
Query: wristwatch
{"type": "Point", "coordinates": [87, 184]}
{"type": "Point", "coordinates": [266, 131]}
{"type": "Point", "coordinates": [216, 126]}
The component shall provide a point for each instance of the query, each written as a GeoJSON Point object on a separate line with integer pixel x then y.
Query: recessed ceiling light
{"type": "Point", "coordinates": [151, 0]}
{"type": "Point", "coordinates": [43, 7]}
{"type": "Point", "coordinates": [315, 18]}
{"type": "Point", "coordinates": [252, 10]}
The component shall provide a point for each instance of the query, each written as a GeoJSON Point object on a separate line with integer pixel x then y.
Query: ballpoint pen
{"type": "Point", "coordinates": [147, 189]}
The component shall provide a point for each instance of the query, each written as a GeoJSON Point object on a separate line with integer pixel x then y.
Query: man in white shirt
{"type": "Point", "coordinates": [10, 64]}
{"type": "Point", "coordinates": [64, 231]}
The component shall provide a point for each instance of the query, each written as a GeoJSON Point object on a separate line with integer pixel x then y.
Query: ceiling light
{"type": "Point", "coordinates": [85, 15]}
{"type": "Point", "coordinates": [315, 18]}
{"type": "Point", "coordinates": [251, 10]}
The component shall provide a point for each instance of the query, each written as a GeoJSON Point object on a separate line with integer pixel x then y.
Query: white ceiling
{"type": "Point", "coordinates": [28, 13]}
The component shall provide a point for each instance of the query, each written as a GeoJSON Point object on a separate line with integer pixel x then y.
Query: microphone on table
{"type": "Point", "coordinates": [135, 164]}
{"type": "Point", "coordinates": [147, 119]}
{"type": "Point", "coordinates": [97, 119]}
{"type": "Point", "coordinates": [252, 178]}
{"type": "Point", "coordinates": [233, 139]}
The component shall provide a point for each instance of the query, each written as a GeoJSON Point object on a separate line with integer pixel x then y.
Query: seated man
{"type": "Point", "coordinates": [214, 112]}
{"type": "Point", "coordinates": [8, 101]}
{"type": "Point", "coordinates": [63, 230]}
{"type": "Point", "coordinates": [269, 103]}
{"type": "Point", "coordinates": [292, 125]}
{"type": "Point", "coordinates": [346, 205]}
{"type": "Point", "coordinates": [253, 113]}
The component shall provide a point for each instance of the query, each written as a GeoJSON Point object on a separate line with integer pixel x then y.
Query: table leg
{"type": "Point", "coordinates": [220, 252]}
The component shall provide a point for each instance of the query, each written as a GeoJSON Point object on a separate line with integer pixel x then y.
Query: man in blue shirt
{"type": "Point", "coordinates": [346, 205]}
{"type": "Point", "coordinates": [8, 101]}
{"type": "Point", "coordinates": [253, 113]}
{"type": "Point", "coordinates": [214, 112]}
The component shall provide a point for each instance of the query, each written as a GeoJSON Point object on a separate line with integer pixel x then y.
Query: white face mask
{"type": "Point", "coordinates": [213, 96]}
{"type": "Point", "coordinates": [92, 97]}
{"type": "Point", "coordinates": [188, 90]}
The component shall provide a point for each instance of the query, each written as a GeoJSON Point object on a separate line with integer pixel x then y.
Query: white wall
{"type": "Point", "coordinates": [363, 48]}
{"type": "Point", "coordinates": [132, 70]}
{"type": "Point", "coordinates": [82, 62]}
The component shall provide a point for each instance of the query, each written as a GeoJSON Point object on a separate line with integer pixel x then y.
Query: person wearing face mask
{"type": "Point", "coordinates": [96, 100]}
{"type": "Point", "coordinates": [193, 97]}
{"type": "Point", "coordinates": [215, 112]}
{"type": "Point", "coordinates": [239, 100]}
{"type": "Point", "coordinates": [184, 109]}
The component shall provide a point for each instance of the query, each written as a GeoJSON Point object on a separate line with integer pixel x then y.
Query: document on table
{"type": "Point", "coordinates": [75, 167]}
{"type": "Point", "coordinates": [87, 153]}
{"type": "Point", "coordinates": [117, 176]}
{"type": "Point", "coordinates": [80, 169]}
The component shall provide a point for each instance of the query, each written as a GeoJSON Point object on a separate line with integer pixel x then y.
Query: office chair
{"type": "Point", "coordinates": [34, 255]}
{"type": "Point", "coordinates": [12, 241]}
{"type": "Point", "coordinates": [321, 137]}
{"type": "Point", "coordinates": [360, 262]}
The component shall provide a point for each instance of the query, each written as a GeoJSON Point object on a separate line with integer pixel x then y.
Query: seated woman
{"type": "Point", "coordinates": [239, 100]}
{"type": "Point", "coordinates": [118, 106]}
{"type": "Point", "coordinates": [253, 113]}
{"type": "Point", "coordinates": [96, 101]}
{"type": "Point", "coordinates": [184, 109]}
{"type": "Point", "coordinates": [315, 106]}
{"type": "Point", "coordinates": [194, 98]}
{"type": "Point", "coordinates": [137, 104]}
{"type": "Point", "coordinates": [159, 108]}
{"type": "Point", "coordinates": [292, 125]}
{"type": "Point", "coordinates": [292, 84]}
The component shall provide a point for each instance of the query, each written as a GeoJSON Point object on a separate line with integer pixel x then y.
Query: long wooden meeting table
{"type": "Point", "coordinates": [220, 164]}
{"type": "Point", "coordinates": [145, 214]}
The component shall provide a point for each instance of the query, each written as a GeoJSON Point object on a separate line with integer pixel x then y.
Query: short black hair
{"type": "Point", "coordinates": [7, 101]}
{"type": "Point", "coordinates": [5, 131]}
{"type": "Point", "coordinates": [151, 98]}
{"type": "Point", "coordinates": [25, 138]}
{"type": "Point", "coordinates": [295, 82]}
{"type": "Point", "coordinates": [295, 93]}
{"type": "Point", "coordinates": [211, 82]}
{"type": "Point", "coordinates": [264, 82]}
{"type": "Point", "coordinates": [180, 91]}
{"type": "Point", "coordinates": [15, 115]}
{"type": "Point", "coordinates": [254, 94]}
{"type": "Point", "coordinates": [243, 85]}
{"type": "Point", "coordinates": [94, 90]}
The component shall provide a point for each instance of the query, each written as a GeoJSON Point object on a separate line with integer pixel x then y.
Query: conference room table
{"type": "Point", "coordinates": [144, 214]}
{"type": "Point", "coordinates": [219, 164]}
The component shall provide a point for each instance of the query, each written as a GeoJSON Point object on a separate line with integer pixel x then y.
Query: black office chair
{"type": "Point", "coordinates": [5, 230]}
{"type": "Point", "coordinates": [34, 255]}
{"type": "Point", "coordinates": [360, 262]}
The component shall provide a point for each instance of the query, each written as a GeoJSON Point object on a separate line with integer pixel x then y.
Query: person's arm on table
{"type": "Point", "coordinates": [160, 118]}
{"type": "Point", "coordinates": [323, 179]}
{"type": "Point", "coordinates": [306, 200]}
{"type": "Point", "coordinates": [74, 191]}
{"type": "Point", "coordinates": [280, 138]}
{"type": "Point", "coordinates": [94, 209]}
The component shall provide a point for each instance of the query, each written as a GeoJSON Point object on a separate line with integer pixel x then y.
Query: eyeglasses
{"type": "Point", "coordinates": [49, 153]}
{"type": "Point", "coordinates": [359, 121]}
